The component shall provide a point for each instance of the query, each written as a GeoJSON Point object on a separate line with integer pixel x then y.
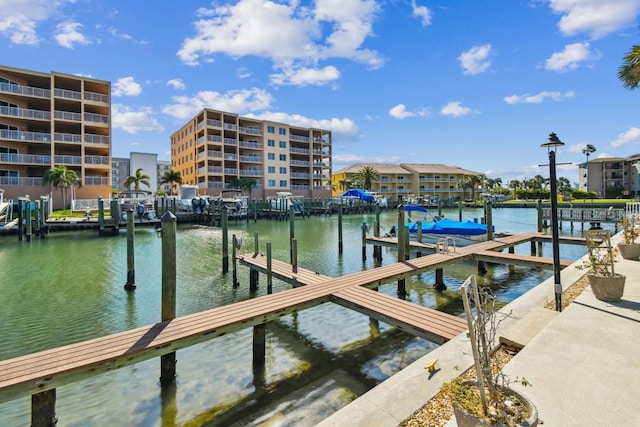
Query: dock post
{"type": "Point", "coordinates": [168, 361]}
{"type": "Point", "coordinates": [43, 216]}
{"type": "Point", "coordinates": [255, 211]}
{"type": "Point", "coordinates": [37, 218]}
{"type": "Point", "coordinates": [402, 286]}
{"type": "Point", "coordinates": [114, 208]}
{"type": "Point", "coordinates": [27, 217]}
{"type": "Point", "coordinates": [482, 267]}
{"type": "Point", "coordinates": [419, 236]}
{"type": "Point", "coordinates": [439, 285]}
{"type": "Point", "coordinates": [292, 233]}
{"type": "Point", "coordinates": [269, 270]}
{"type": "Point", "coordinates": [440, 208]}
{"type": "Point", "coordinates": [225, 242]}
{"type": "Point", "coordinates": [489, 216]}
{"type": "Point", "coordinates": [340, 227]}
{"type": "Point", "coordinates": [540, 224]}
{"type": "Point", "coordinates": [294, 255]}
{"type": "Point", "coordinates": [459, 210]}
{"type": "Point", "coordinates": [43, 409]}
{"type": "Point", "coordinates": [131, 264]}
{"type": "Point", "coordinates": [377, 249]}
{"type": "Point", "coordinates": [253, 273]}
{"type": "Point", "coordinates": [259, 354]}
{"type": "Point", "coordinates": [100, 216]}
{"type": "Point", "coordinates": [364, 240]}
{"type": "Point", "coordinates": [20, 218]}
{"type": "Point", "coordinates": [407, 246]}
{"type": "Point", "coordinates": [234, 246]}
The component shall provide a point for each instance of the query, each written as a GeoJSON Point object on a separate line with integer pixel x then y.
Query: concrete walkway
{"type": "Point", "coordinates": [583, 364]}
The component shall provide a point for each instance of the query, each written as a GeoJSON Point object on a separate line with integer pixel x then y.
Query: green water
{"type": "Point", "coordinates": [68, 287]}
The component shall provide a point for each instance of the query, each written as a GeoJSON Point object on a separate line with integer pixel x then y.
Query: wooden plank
{"type": "Point", "coordinates": [516, 259]}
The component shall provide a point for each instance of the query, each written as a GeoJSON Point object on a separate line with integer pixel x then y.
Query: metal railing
{"type": "Point", "coordinates": [18, 135]}
{"type": "Point", "coordinates": [67, 137]}
{"type": "Point", "coordinates": [68, 160]}
{"type": "Point", "coordinates": [37, 159]}
{"type": "Point", "coordinates": [66, 93]}
{"type": "Point", "coordinates": [25, 90]}
{"type": "Point", "coordinates": [25, 113]}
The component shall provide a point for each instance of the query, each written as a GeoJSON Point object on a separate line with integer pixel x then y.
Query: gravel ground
{"type": "Point", "coordinates": [438, 411]}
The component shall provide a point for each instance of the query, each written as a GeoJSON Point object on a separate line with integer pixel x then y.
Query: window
{"type": "Point", "coordinates": [283, 144]}
{"type": "Point", "coordinates": [283, 170]}
{"type": "Point", "coordinates": [282, 131]}
{"type": "Point", "coordinates": [283, 157]}
{"type": "Point", "coordinates": [271, 129]}
{"type": "Point", "coordinates": [271, 143]}
{"type": "Point", "coordinates": [283, 183]}
{"type": "Point", "coordinates": [271, 156]}
{"type": "Point", "coordinates": [272, 169]}
{"type": "Point", "coordinates": [272, 183]}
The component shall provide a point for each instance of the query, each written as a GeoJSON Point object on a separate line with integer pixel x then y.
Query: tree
{"type": "Point", "coordinates": [171, 177]}
{"type": "Point", "coordinates": [137, 179]}
{"type": "Point", "coordinates": [514, 185]}
{"type": "Point", "coordinates": [587, 150]}
{"type": "Point", "coordinates": [368, 175]}
{"type": "Point", "coordinates": [61, 178]}
{"type": "Point", "coordinates": [629, 71]}
{"type": "Point", "coordinates": [564, 185]}
{"type": "Point", "coordinates": [243, 184]}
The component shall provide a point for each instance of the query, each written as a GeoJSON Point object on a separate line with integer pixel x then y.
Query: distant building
{"type": "Point", "coordinates": [406, 181]}
{"type": "Point", "coordinates": [163, 166]}
{"type": "Point", "coordinates": [611, 175]}
{"type": "Point", "coordinates": [124, 167]}
{"type": "Point", "coordinates": [49, 120]}
{"type": "Point", "coordinates": [216, 149]}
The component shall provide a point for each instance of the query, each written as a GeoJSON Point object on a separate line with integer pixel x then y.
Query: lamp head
{"type": "Point", "coordinates": [552, 142]}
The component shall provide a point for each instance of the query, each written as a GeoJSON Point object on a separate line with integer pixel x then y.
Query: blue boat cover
{"type": "Point", "coordinates": [410, 208]}
{"type": "Point", "coordinates": [356, 192]}
{"type": "Point", "coordinates": [449, 227]}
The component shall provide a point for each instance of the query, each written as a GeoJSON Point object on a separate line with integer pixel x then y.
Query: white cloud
{"type": "Point", "coordinates": [631, 136]}
{"type": "Point", "coordinates": [475, 60]}
{"type": "Point", "coordinates": [68, 34]}
{"type": "Point", "coordinates": [595, 17]}
{"type": "Point", "coordinates": [421, 12]}
{"type": "Point", "coordinates": [538, 98]}
{"type": "Point", "coordinates": [455, 109]}
{"type": "Point", "coordinates": [570, 58]}
{"type": "Point", "coordinates": [400, 112]}
{"type": "Point", "coordinates": [176, 84]}
{"type": "Point", "coordinates": [134, 121]}
{"type": "Point", "coordinates": [306, 76]}
{"type": "Point", "coordinates": [126, 86]}
{"type": "Point", "coordinates": [291, 35]}
{"type": "Point", "coordinates": [20, 18]}
{"type": "Point", "coordinates": [240, 101]}
{"type": "Point", "coordinates": [243, 73]}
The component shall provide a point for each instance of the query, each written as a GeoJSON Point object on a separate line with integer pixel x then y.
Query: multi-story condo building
{"type": "Point", "coordinates": [164, 166]}
{"type": "Point", "coordinates": [216, 149]}
{"type": "Point", "coordinates": [48, 120]}
{"type": "Point", "coordinates": [611, 176]}
{"type": "Point", "coordinates": [122, 167]}
{"type": "Point", "coordinates": [407, 181]}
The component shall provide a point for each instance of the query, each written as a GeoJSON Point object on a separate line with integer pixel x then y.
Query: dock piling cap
{"type": "Point", "coordinates": [168, 217]}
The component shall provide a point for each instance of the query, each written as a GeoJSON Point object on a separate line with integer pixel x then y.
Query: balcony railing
{"type": "Point", "coordinates": [210, 170]}
{"type": "Point", "coordinates": [250, 172]}
{"type": "Point", "coordinates": [96, 180]}
{"type": "Point", "coordinates": [96, 139]}
{"type": "Point", "coordinates": [251, 159]}
{"type": "Point", "coordinates": [249, 144]}
{"type": "Point", "coordinates": [212, 184]}
{"type": "Point", "coordinates": [68, 160]}
{"type": "Point", "coordinates": [25, 159]}
{"type": "Point", "coordinates": [67, 137]}
{"type": "Point", "coordinates": [96, 118]}
{"type": "Point", "coordinates": [299, 163]}
{"type": "Point", "coordinates": [25, 113]}
{"type": "Point", "coordinates": [300, 175]}
{"type": "Point", "coordinates": [96, 97]}
{"type": "Point", "coordinates": [230, 126]}
{"type": "Point", "coordinates": [299, 150]}
{"type": "Point", "coordinates": [214, 123]}
{"type": "Point", "coordinates": [299, 138]}
{"type": "Point", "coordinates": [300, 187]}
{"type": "Point", "coordinates": [17, 135]}
{"type": "Point", "coordinates": [23, 182]}
{"type": "Point", "coordinates": [251, 130]}
{"type": "Point", "coordinates": [25, 90]}
{"type": "Point", "coordinates": [230, 171]}
{"type": "Point", "coordinates": [96, 160]}
{"type": "Point", "coordinates": [67, 115]}
{"type": "Point", "coordinates": [230, 141]}
{"type": "Point", "coordinates": [69, 94]}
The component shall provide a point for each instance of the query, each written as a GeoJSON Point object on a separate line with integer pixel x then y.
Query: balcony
{"type": "Point", "coordinates": [96, 139]}
{"type": "Point", "coordinates": [67, 94]}
{"type": "Point", "coordinates": [214, 123]}
{"type": "Point", "coordinates": [210, 170]}
{"type": "Point", "coordinates": [249, 144]}
{"type": "Point", "coordinates": [68, 160]}
{"type": "Point", "coordinates": [299, 163]}
{"type": "Point", "coordinates": [251, 159]}
{"type": "Point", "coordinates": [67, 115]}
{"type": "Point", "coordinates": [36, 92]}
{"type": "Point", "coordinates": [230, 141]}
{"type": "Point", "coordinates": [251, 130]}
{"type": "Point", "coordinates": [230, 171]}
{"type": "Point", "coordinates": [301, 187]}
{"type": "Point", "coordinates": [25, 159]}
{"type": "Point", "coordinates": [300, 175]}
{"type": "Point", "coordinates": [96, 180]}
{"type": "Point", "coordinates": [250, 172]}
{"type": "Point", "coordinates": [230, 126]}
{"type": "Point", "coordinates": [96, 97]}
{"type": "Point", "coordinates": [96, 118]}
{"type": "Point", "coordinates": [297, 150]}
{"type": "Point", "coordinates": [67, 137]}
{"type": "Point", "coordinates": [25, 113]}
{"type": "Point", "coordinates": [299, 138]}
{"type": "Point", "coordinates": [96, 160]}
{"type": "Point", "coordinates": [17, 135]}
{"type": "Point", "coordinates": [23, 182]}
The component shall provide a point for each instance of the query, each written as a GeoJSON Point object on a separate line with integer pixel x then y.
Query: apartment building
{"type": "Point", "coordinates": [409, 181]}
{"type": "Point", "coordinates": [215, 149]}
{"type": "Point", "coordinates": [49, 120]}
{"type": "Point", "coordinates": [122, 167]}
{"type": "Point", "coordinates": [611, 176]}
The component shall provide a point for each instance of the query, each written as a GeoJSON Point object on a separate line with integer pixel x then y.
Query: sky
{"type": "Point", "coordinates": [475, 84]}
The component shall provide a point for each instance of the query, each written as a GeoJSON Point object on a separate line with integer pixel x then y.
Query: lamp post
{"type": "Point", "coordinates": [551, 145]}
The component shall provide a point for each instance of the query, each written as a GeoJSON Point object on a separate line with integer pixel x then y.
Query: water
{"type": "Point", "coordinates": [69, 287]}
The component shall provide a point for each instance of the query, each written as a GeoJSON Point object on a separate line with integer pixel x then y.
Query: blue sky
{"type": "Point", "coordinates": [477, 84]}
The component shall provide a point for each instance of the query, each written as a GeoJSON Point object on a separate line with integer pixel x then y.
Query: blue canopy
{"type": "Point", "coordinates": [361, 194]}
{"type": "Point", "coordinates": [447, 226]}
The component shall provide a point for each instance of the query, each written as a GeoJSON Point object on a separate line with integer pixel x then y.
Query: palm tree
{"type": "Point", "coordinates": [368, 175]}
{"type": "Point", "coordinates": [514, 185]}
{"type": "Point", "coordinates": [60, 178]}
{"type": "Point", "coordinates": [171, 177]}
{"type": "Point", "coordinates": [137, 179]}
{"type": "Point", "coordinates": [587, 150]}
{"type": "Point", "coordinates": [629, 71]}
{"type": "Point", "coordinates": [564, 185]}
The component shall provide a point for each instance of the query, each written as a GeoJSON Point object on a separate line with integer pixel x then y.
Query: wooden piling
{"type": "Point", "coordinates": [401, 230]}
{"type": "Point", "coordinates": [100, 216]}
{"type": "Point", "coordinates": [459, 210]}
{"type": "Point", "coordinates": [20, 219]}
{"type": "Point", "coordinates": [43, 409]}
{"type": "Point", "coordinates": [292, 232]}
{"type": "Point", "coordinates": [540, 224]}
{"type": "Point", "coordinates": [439, 285]}
{"type": "Point", "coordinates": [419, 236]}
{"type": "Point", "coordinates": [489, 217]}
{"type": "Point", "coordinates": [114, 208]}
{"type": "Point", "coordinates": [168, 221]}
{"type": "Point", "coordinates": [259, 353]}
{"type": "Point", "coordinates": [294, 255]}
{"type": "Point", "coordinates": [225, 242]}
{"type": "Point", "coordinates": [377, 249]}
{"type": "Point", "coordinates": [364, 240]}
{"type": "Point", "coordinates": [234, 246]}
{"type": "Point", "coordinates": [131, 265]}
{"type": "Point", "coordinates": [269, 270]}
{"type": "Point", "coordinates": [340, 227]}
{"type": "Point", "coordinates": [28, 222]}
{"type": "Point", "coordinates": [253, 273]}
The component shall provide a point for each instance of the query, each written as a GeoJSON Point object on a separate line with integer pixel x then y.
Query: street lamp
{"type": "Point", "coordinates": [551, 145]}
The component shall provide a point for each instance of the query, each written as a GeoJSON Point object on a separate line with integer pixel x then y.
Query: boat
{"type": "Point", "coordinates": [284, 200]}
{"type": "Point", "coordinates": [139, 201]}
{"type": "Point", "coordinates": [232, 200]}
{"type": "Point", "coordinates": [190, 201]}
{"type": "Point", "coordinates": [435, 228]}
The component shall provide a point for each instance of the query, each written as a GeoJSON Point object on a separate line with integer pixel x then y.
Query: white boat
{"type": "Point", "coordinates": [141, 202]}
{"type": "Point", "coordinates": [232, 200]}
{"type": "Point", "coordinates": [284, 200]}
{"type": "Point", "coordinates": [190, 201]}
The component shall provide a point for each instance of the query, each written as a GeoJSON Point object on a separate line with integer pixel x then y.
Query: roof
{"type": "Point", "coordinates": [438, 168]}
{"type": "Point", "coordinates": [381, 168]}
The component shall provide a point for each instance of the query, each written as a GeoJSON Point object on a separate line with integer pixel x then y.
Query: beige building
{"type": "Point", "coordinates": [612, 175]}
{"type": "Point", "coordinates": [410, 181]}
{"type": "Point", "coordinates": [49, 120]}
{"type": "Point", "coordinates": [214, 149]}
